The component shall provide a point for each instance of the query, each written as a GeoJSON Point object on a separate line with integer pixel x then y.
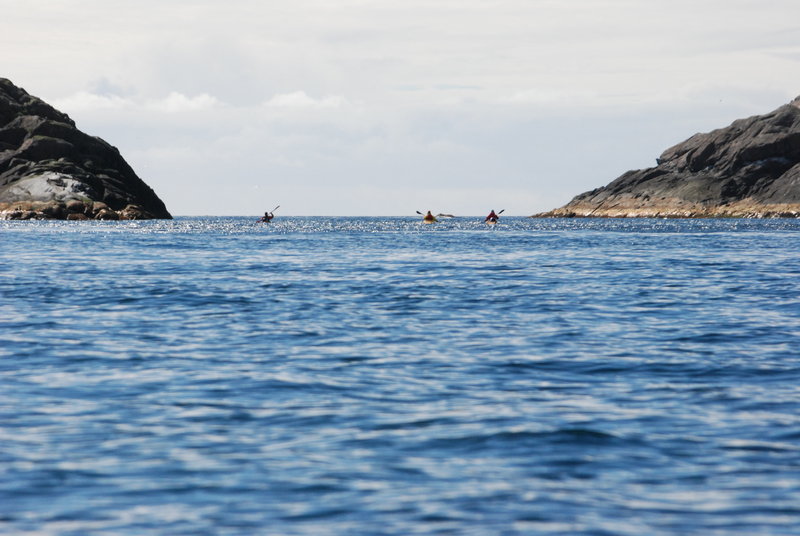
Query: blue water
{"type": "Point", "coordinates": [365, 376]}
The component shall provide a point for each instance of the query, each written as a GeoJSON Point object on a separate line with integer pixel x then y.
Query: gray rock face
{"type": "Point", "coordinates": [46, 162]}
{"type": "Point", "coordinates": [748, 169]}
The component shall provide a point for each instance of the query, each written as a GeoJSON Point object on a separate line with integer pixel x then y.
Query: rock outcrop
{"type": "Point", "coordinates": [51, 170]}
{"type": "Point", "coordinates": [748, 169]}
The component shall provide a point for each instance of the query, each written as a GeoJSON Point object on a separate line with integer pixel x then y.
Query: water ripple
{"type": "Point", "coordinates": [377, 376]}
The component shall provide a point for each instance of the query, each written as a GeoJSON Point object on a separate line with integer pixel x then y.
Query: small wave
{"type": "Point", "coordinates": [515, 440]}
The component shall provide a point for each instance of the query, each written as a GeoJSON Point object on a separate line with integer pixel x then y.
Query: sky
{"type": "Point", "coordinates": [386, 107]}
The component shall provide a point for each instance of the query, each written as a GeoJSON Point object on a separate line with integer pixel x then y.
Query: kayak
{"type": "Point", "coordinates": [491, 222]}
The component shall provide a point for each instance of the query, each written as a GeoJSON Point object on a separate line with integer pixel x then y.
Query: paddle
{"type": "Point", "coordinates": [440, 215]}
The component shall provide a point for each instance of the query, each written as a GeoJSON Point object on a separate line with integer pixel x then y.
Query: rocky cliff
{"type": "Point", "coordinates": [51, 170]}
{"type": "Point", "coordinates": [748, 169]}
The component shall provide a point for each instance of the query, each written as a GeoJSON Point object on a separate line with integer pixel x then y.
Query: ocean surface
{"type": "Point", "coordinates": [375, 376]}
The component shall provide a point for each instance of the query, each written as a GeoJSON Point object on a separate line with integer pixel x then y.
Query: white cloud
{"type": "Point", "coordinates": [85, 101]}
{"type": "Point", "coordinates": [550, 96]}
{"type": "Point", "coordinates": [299, 99]}
{"type": "Point", "coordinates": [89, 104]}
{"type": "Point", "coordinates": [177, 102]}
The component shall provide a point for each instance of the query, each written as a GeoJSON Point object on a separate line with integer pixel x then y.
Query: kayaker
{"type": "Point", "coordinates": [492, 217]}
{"type": "Point", "coordinates": [429, 218]}
{"type": "Point", "coordinates": [267, 217]}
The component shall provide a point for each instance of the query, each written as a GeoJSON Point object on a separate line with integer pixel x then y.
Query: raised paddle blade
{"type": "Point", "coordinates": [501, 212]}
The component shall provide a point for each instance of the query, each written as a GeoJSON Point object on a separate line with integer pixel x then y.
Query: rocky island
{"type": "Point", "coordinates": [51, 170]}
{"type": "Point", "coordinates": [750, 169]}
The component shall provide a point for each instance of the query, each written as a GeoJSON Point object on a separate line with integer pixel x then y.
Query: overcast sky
{"type": "Point", "coordinates": [356, 107]}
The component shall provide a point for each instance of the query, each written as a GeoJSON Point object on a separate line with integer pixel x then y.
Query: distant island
{"type": "Point", "coordinates": [51, 170]}
{"type": "Point", "coordinates": [750, 169]}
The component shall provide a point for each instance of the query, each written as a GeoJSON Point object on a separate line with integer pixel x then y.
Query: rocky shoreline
{"type": "Point", "coordinates": [631, 207]}
{"type": "Point", "coordinates": [73, 209]}
{"type": "Point", "coordinates": [750, 169]}
{"type": "Point", "coordinates": [51, 170]}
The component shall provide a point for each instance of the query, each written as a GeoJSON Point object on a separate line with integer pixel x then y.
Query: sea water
{"type": "Point", "coordinates": [365, 376]}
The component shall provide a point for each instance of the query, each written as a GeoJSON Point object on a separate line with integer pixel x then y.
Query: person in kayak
{"type": "Point", "coordinates": [267, 217]}
{"type": "Point", "coordinates": [491, 218]}
{"type": "Point", "coordinates": [429, 218]}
